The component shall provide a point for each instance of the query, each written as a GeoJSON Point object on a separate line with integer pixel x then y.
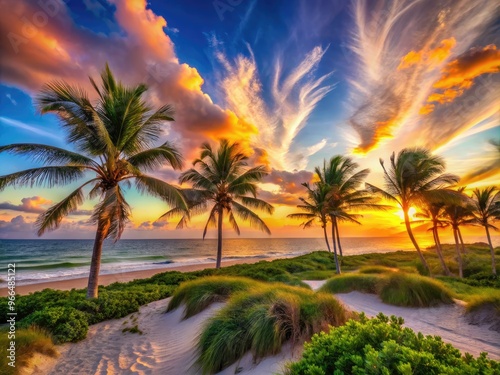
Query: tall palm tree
{"type": "Point", "coordinates": [458, 214]}
{"type": "Point", "coordinates": [486, 209]}
{"type": "Point", "coordinates": [434, 213]}
{"type": "Point", "coordinates": [222, 183]}
{"type": "Point", "coordinates": [415, 176]}
{"type": "Point", "coordinates": [314, 208]}
{"type": "Point", "coordinates": [113, 138]}
{"type": "Point", "coordinates": [341, 178]}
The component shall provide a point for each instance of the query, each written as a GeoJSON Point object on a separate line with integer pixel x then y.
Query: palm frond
{"type": "Point", "coordinates": [43, 176]}
{"type": "Point", "coordinates": [257, 203]}
{"type": "Point", "coordinates": [114, 211]}
{"type": "Point", "coordinates": [247, 215]}
{"type": "Point", "coordinates": [161, 189]}
{"type": "Point", "coordinates": [47, 154]}
{"type": "Point", "coordinates": [157, 157]}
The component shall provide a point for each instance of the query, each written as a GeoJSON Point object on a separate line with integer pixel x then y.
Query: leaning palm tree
{"type": "Point", "coordinates": [314, 208]}
{"type": "Point", "coordinates": [434, 213]}
{"type": "Point", "coordinates": [486, 209]}
{"type": "Point", "coordinates": [342, 180]}
{"type": "Point", "coordinates": [458, 214]}
{"type": "Point", "coordinates": [415, 176]}
{"type": "Point", "coordinates": [223, 184]}
{"type": "Point", "coordinates": [113, 138]}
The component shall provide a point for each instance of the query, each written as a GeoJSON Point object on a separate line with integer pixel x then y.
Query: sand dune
{"type": "Point", "coordinates": [167, 345]}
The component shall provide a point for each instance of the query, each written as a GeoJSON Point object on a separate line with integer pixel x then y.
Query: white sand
{"type": "Point", "coordinates": [166, 347]}
{"type": "Point", "coordinates": [446, 321]}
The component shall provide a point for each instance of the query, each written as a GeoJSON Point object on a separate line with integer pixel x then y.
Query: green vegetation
{"type": "Point", "coordinates": [382, 346]}
{"type": "Point", "coordinates": [376, 269]}
{"type": "Point", "coordinates": [351, 281]}
{"type": "Point", "coordinates": [67, 314]}
{"type": "Point", "coordinates": [134, 329]}
{"type": "Point", "coordinates": [197, 295]}
{"type": "Point", "coordinates": [28, 342]}
{"type": "Point", "coordinates": [395, 288]}
{"type": "Point", "coordinates": [259, 319]}
{"type": "Point", "coordinates": [402, 289]}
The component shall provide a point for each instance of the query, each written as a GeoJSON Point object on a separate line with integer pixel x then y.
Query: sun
{"type": "Point", "coordinates": [411, 212]}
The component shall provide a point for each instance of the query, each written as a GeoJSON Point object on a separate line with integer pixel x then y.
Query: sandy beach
{"type": "Point", "coordinates": [167, 345]}
{"type": "Point", "coordinates": [79, 283]}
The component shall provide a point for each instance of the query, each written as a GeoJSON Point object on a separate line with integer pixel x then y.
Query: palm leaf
{"type": "Point", "coordinates": [43, 176]}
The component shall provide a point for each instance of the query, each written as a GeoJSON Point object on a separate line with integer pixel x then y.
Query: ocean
{"type": "Point", "coordinates": [49, 260]}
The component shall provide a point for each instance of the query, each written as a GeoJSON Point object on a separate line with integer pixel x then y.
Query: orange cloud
{"type": "Point", "coordinates": [382, 130]}
{"type": "Point", "coordinates": [458, 75]}
{"type": "Point", "coordinates": [428, 56]}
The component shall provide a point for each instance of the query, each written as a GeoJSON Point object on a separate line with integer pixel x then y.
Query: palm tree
{"type": "Point", "coordinates": [414, 177]}
{"type": "Point", "coordinates": [315, 208]}
{"type": "Point", "coordinates": [223, 184]}
{"type": "Point", "coordinates": [458, 214]}
{"type": "Point", "coordinates": [487, 209]}
{"type": "Point", "coordinates": [434, 213]}
{"type": "Point", "coordinates": [113, 137]}
{"type": "Point", "coordinates": [341, 179]}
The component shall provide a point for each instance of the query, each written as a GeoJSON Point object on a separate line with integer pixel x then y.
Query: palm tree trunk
{"type": "Point", "coordinates": [414, 241]}
{"type": "Point", "coordinates": [337, 265]}
{"type": "Point", "coordinates": [439, 252]}
{"type": "Point", "coordinates": [326, 239]}
{"type": "Point", "coordinates": [219, 239]}
{"type": "Point", "coordinates": [464, 251]}
{"type": "Point", "coordinates": [338, 237]}
{"type": "Point", "coordinates": [459, 256]}
{"type": "Point", "coordinates": [493, 264]}
{"type": "Point", "coordinates": [95, 264]}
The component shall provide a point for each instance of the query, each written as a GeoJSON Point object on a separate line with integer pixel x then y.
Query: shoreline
{"type": "Point", "coordinates": [81, 282]}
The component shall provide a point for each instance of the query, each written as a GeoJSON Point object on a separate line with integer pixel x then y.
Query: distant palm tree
{"type": "Point", "coordinates": [314, 208]}
{"type": "Point", "coordinates": [434, 213]}
{"type": "Point", "coordinates": [414, 177]}
{"type": "Point", "coordinates": [222, 183]}
{"type": "Point", "coordinates": [114, 138]}
{"type": "Point", "coordinates": [342, 180]}
{"type": "Point", "coordinates": [486, 209]}
{"type": "Point", "coordinates": [458, 214]}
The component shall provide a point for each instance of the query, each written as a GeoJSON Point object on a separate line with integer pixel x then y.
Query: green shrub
{"type": "Point", "coordinates": [28, 342]}
{"type": "Point", "coordinates": [66, 324]}
{"type": "Point", "coordinates": [349, 282]}
{"type": "Point", "coordinates": [376, 269]}
{"type": "Point", "coordinates": [197, 295]}
{"type": "Point", "coordinates": [261, 319]}
{"type": "Point", "coordinates": [382, 346]}
{"type": "Point", "coordinates": [413, 290]}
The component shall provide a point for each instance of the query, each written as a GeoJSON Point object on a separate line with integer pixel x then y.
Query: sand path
{"type": "Point", "coordinates": [446, 321]}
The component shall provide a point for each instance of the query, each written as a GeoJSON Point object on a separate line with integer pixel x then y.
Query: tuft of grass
{"type": "Point", "coordinates": [413, 290]}
{"type": "Point", "coordinates": [316, 275]}
{"type": "Point", "coordinates": [349, 282]}
{"type": "Point", "coordinates": [134, 329]}
{"type": "Point", "coordinates": [28, 342]}
{"type": "Point", "coordinates": [479, 301]}
{"type": "Point", "coordinates": [376, 269]}
{"type": "Point", "coordinates": [198, 294]}
{"type": "Point", "coordinates": [260, 320]}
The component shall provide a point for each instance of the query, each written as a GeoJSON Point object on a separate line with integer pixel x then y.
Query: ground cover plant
{"type": "Point", "coordinates": [382, 346]}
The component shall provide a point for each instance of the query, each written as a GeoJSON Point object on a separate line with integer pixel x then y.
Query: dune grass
{"type": "Point", "coordinates": [198, 294]}
{"type": "Point", "coordinates": [376, 269]}
{"type": "Point", "coordinates": [258, 317]}
{"type": "Point", "coordinates": [28, 342]}
{"type": "Point", "coordinates": [349, 282]}
{"type": "Point", "coordinates": [412, 290]}
{"type": "Point", "coordinates": [478, 302]}
{"type": "Point", "coordinates": [394, 288]}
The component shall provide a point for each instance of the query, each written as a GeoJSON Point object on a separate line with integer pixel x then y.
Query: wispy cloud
{"type": "Point", "coordinates": [409, 57]}
{"type": "Point", "coordinates": [31, 128]}
{"type": "Point", "coordinates": [279, 119]}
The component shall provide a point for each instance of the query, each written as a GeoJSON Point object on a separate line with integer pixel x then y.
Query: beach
{"type": "Point", "coordinates": [167, 345]}
{"type": "Point", "coordinates": [81, 282]}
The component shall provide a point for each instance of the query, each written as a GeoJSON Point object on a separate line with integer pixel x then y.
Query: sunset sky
{"type": "Point", "coordinates": [293, 81]}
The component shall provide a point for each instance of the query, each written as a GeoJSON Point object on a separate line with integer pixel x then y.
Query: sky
{"type": "Point", "coordinates": [294, 82]}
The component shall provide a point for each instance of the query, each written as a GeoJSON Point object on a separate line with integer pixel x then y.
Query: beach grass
{"type": "Point", "coordinates": [28, 342]}
{"type": "Point", "coordinates": [376, 269]}
{"type": "Point", "coordinates": [197, 295]}
{"type": "Point", "coordinates": [261, 319]}
{"type": "Point", "coordinates": [349, 282]}
{"type": "Point", "coordinates": [410, 290]}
